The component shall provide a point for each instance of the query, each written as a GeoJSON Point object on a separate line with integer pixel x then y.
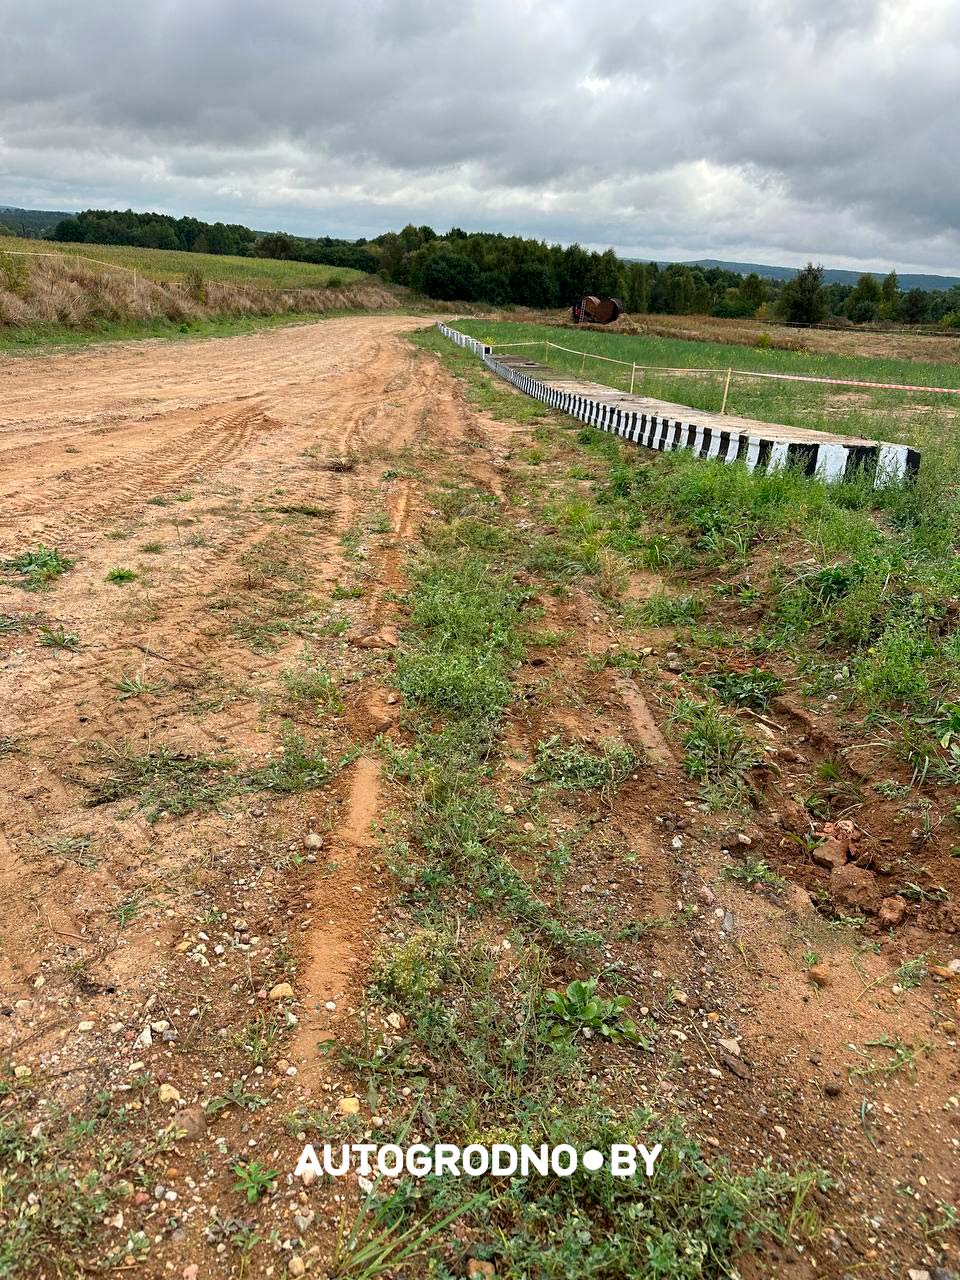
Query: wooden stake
{"type": "Point", "coordinates": [726, 388]}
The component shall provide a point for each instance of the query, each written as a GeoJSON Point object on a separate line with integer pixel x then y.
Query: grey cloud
{"type": "Point", "coordinates": [752, 129]}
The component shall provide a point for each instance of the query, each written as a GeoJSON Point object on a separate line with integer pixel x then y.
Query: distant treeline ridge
{"type": "Point", "coordinates": [513, 271]}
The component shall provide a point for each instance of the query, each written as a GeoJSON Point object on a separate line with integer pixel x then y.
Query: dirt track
{"type": "Point", "coordinates": [187, 463]}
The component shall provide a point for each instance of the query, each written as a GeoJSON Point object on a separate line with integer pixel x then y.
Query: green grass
{"type": "Point", "coordinates": [798, 404]}
{"type": "Point", "coordinates": [172, 264]}
{"type": "Point", "coordinates": [39, 568]}
{"type": "Point", "coordinates": [313, 683]}
{"type": "Point", "coordinates": [298, 767]}
{"type": "Point", "coordinates": [119, 576]}
{"type": "Point", "coordinates": [511, 1047]}
{"type": "Point", "coordinates": [663, 610]}
{"type": "Point", "coordinates": [717, 751]}
{"type": "Point", "coordinates": [57, 638]}
{"type": "Point", "coordinates": [62, 1178]}
{"type": "Point", "coordinates": [569, 766]}
{"type": "Point", "coordinates": [161, 780]}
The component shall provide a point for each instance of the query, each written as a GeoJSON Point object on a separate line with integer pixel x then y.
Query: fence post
{"type": "Point", "coordinates": [633, 374]}
{"type": "Point", "coordinates": [726, 389]}
{"type": "Point", "coordinates": [583, 364]}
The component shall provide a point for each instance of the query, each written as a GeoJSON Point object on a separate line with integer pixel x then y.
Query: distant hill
{"type": "Point", "coordinates": [30, 223]}
{"type": "Point", "coordinates": [831, 275]}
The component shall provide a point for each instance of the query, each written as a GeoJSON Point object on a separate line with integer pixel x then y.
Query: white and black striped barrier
{"type": "Point", "coordinates": [658, 425]}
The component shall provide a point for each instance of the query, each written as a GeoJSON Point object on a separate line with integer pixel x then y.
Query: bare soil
{"type": "Point", "coordinates": [113, 923]}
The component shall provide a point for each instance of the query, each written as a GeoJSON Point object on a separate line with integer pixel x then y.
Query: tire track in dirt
{"type": "Point", "coordinates": [64, 703]}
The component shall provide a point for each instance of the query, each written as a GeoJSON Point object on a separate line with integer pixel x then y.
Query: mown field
{"type": "Point", "coordinates": [914, 417]}
{"type": "Point", "coordinates": [168, 264]}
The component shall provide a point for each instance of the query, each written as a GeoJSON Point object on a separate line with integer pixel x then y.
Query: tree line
{"type": "Point", "coordinates": [505, 270]}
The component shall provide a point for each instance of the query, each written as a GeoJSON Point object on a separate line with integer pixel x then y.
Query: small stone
{"type": "Point", "coordinates": [330, 1006]}
{"type": "Point", "coordinates": [85, 1026]}
{"type": "Point", "coordinates": [948, 1027]}
{"type": "Point", "coordinates": [144, 1040]}
{"type": "Point", "coordinates": [797, 901]}
{"type": "Point", "coordinates": [730, 1045]}
{"type": "Point", "coordinates": [679, 997]}
{"type": "Point", "coordinates": [744, 840]}
{"type": "Point", "coordinates": [282, 991]}
{"type": "Point", "coordinates": [296, 1266]}
{"type": "Point", "coordinates": [191, 1123]}
{"type": "Point", "coordinates": [855, 887]}
{"type": "Point", "coordinates": [892, 911]}
{"type": "Point", "coordinates": [191, 1272]}
{"type": "Point", "coordinates": [818, 976]}
{"type": "Point", "coordinates": [706, 895]}
{"type": "Point", "coordinates": [673, 662]}
{"type": "Point", "coordinates": [167, 1093]}
{"type": "Point", "coordinates": [831, 853]}
{"type": "Point", "coordinates": [477, 1268]}
{"type": "Point", "coordinates": [308, 1177]}
{"type": "Point", "coordinates": [22, 1072]}
{"type": "Point", "coordinates": [312, 840]}
{"type": "Point", "coordinates": [350, 1106]}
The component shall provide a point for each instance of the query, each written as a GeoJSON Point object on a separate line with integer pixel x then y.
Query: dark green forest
{"type": "Point", "coordinates": [504, 270]}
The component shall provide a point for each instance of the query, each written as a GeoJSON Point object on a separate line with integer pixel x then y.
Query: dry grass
{"type": "Point", "coordinates": [55, 291]}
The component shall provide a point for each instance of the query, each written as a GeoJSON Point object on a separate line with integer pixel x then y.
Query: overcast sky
{"type": "Point", "coordinates": [763, 130]}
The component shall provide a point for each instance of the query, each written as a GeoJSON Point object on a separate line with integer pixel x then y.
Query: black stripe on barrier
{"type": "Point", "coordinates": [861, 458]}
{"type": "Point", "coordinates": [803, 456]}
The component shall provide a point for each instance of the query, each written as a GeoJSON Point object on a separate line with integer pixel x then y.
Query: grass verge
{"type": "Point", "coordinates": [494, 1049]}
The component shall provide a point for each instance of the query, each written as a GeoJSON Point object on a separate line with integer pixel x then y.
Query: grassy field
{"type": "Point", "coordinates": [914, 417]}
{"type": "Point", "coordinates": [168, 264]}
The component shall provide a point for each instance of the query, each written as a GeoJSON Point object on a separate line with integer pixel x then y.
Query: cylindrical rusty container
{"type": "Point", "coordinates": [592, 310]}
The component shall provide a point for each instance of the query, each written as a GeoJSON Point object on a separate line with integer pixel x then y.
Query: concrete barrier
{"type": "Point", "coordinates": [657, 424]}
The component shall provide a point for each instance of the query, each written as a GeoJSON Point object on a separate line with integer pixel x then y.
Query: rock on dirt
{"type": "Point", "coordinates": [797, 901]}
{"type": "Point", "coordinates": [891, 913]}
{"type": "Point", "coordinates": [831, 854]}
{"type": "Point", "coordinates": [855, 887]}
{"type": "Point", "coordinates": [818, 976]}
{"type": "Point", "coordinates": [191, 1123]}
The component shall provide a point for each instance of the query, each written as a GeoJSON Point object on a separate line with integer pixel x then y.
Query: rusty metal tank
{"type": "Point", "coordinates": [592, 310]}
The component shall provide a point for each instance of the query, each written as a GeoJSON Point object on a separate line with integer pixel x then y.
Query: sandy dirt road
{"type": "Point", "coordinates": [166, 863]}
